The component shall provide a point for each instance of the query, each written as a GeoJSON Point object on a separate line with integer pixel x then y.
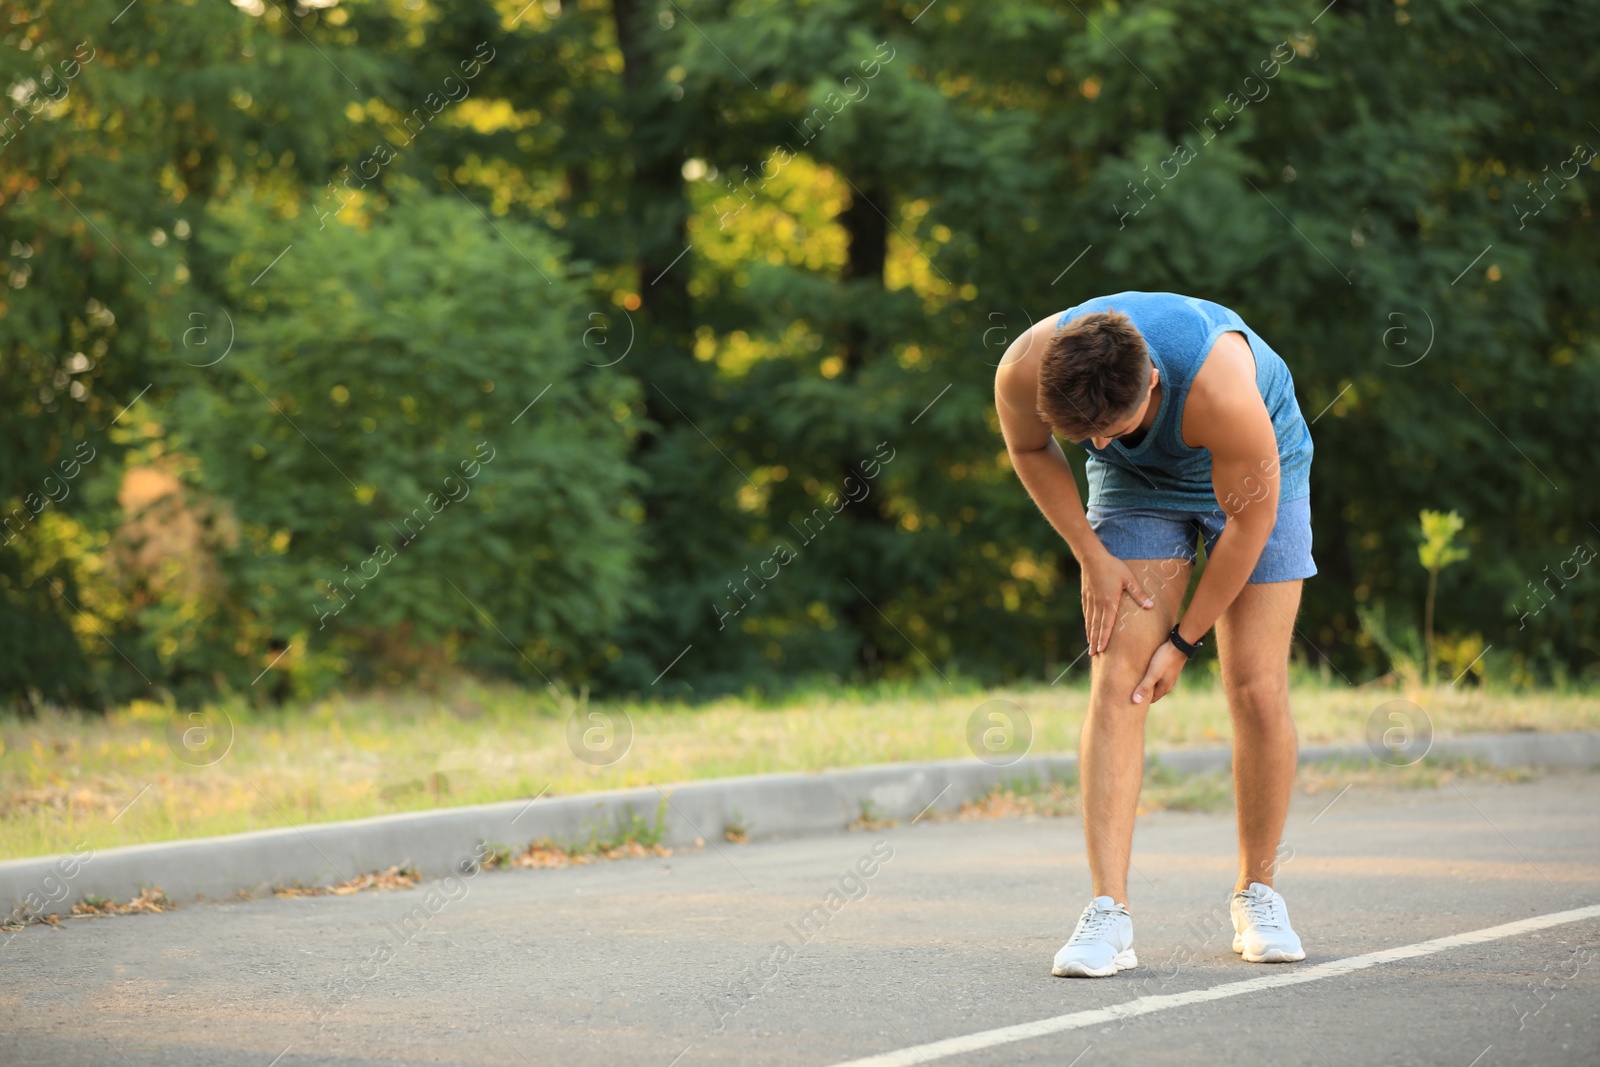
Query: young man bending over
{"type": "Point", "coordinates": [1192, 429]}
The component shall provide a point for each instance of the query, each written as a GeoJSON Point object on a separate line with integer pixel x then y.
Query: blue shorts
{"type": "Point", "coordinates": [1138, 532]}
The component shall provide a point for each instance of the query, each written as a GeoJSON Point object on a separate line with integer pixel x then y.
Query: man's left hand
{"type": "Point", "coordinates": [1162, 674]}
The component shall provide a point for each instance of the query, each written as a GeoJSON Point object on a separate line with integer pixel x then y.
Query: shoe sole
{"type": "Point", "coordinates": [1124, 961]}
{"type": "Point", "coordinates": [1272, 955]}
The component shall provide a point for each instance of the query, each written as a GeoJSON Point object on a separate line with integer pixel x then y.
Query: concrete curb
{"type": "Point", "coordinates": [444, 841]}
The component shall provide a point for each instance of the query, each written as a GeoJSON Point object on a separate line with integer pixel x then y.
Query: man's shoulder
{"type": "Point", "coordinates": [1223, 391]}
{"type": "Point", "coordinates": [1017, 373]}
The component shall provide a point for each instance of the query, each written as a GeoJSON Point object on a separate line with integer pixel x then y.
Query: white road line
{"type": "Point", "coordinates": [955, 1046]}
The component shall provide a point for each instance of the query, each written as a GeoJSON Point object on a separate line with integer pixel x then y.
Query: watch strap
{"type": "Point", "coordinates": [1186, 647]}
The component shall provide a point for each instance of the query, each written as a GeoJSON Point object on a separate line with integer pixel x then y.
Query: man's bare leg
{"type": "Point", "coordinates": [1111, 751]}
{"type": "Point", "coordinates": [1253, 638]}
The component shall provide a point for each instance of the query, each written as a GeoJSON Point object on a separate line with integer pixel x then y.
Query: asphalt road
{"type": "Point", "coordinates": [676, 962]}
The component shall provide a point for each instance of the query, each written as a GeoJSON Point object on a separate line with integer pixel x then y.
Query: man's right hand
{"type": "Point", "coordinates": [1105, 579]}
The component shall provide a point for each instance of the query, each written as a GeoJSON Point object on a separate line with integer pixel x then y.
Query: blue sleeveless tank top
{"type": "Point", "coordinates": [1161, 471]}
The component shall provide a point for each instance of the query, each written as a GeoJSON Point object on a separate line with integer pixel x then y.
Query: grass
{"type": "Point", "coordinates": [69, 781]}
{"type": "Point", "coordinates": [628, 838]}
{"type": "Point", "coordinates": [1165, 789]}
{"type": "Point", "coordinates": [633, 837]}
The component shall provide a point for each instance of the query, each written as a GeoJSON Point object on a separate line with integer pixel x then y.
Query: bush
{"type": "Point", "coordinates": [415, 467]}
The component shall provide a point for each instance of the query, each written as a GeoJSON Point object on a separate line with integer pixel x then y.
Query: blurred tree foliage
{"type": "Point", "coordinates": [764, 257]}
{"type": "Point", "coordinates": [409, 452]}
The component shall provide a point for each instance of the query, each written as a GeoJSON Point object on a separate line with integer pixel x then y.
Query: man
{"type": "Point", "coordinates": [1192, 428]}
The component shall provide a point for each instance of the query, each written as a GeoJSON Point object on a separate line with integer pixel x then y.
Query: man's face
{"type": "Point", "coordinates": [1122, 428]}
{"type": "Point", "coordinates": [1126, 427]}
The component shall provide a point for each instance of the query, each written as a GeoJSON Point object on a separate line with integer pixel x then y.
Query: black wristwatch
{"type": "Point", "coordinates": [1184, 646]}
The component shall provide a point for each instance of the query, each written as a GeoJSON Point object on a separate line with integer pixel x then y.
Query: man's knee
{"type": "Point", "coordinates": [1117, 673]}
{"type": "Point", "coordinates": [1260, 700]}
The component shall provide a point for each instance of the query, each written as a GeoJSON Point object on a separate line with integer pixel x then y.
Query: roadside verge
{"type": "Point", "coordinates": [758, 807]}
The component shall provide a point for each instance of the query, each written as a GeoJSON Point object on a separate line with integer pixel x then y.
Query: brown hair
{"type": "Point", "coordinates": [1092, 374]}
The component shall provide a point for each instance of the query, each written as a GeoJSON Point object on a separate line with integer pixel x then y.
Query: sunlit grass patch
{"type": "Point", "coordinates": [70, 781]}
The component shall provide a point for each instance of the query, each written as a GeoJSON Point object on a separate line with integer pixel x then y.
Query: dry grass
{"type": "Point", "coordinates": [1166, 790]}
{"type": "Point", "coordinates": [398, 877]}
{"type": "Point", "coordinates": [69, 781]}
{"type": "Point", "coordinates": [546, 853]}
{"type": "Point", "coordinates": [150, 899]}
{"type": "Point", "coordinates": [1429, 774]}
{"type": "Point", "coordinates": [1162, 791]}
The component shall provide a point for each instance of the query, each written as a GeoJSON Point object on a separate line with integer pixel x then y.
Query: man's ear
{"type": "Point", "coordinates": [1155, 375]}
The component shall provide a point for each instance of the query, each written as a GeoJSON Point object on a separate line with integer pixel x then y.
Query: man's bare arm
{"type": "Point", "coordinates": [1035, 453]}
{"type": "Point", "coordinates": [1225, 413]}
{"type": "Point", "coordinates": [1042, 466]}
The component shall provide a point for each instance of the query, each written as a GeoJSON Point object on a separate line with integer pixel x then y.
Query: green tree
{"type": "Point", "coordinates": [107, 161]}
{"type": "Point", "coordinates": [797, 261]}
{"type": "Point", "coordinates": [416, 455]}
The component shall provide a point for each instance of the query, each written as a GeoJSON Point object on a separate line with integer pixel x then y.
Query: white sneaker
{"type": "Point", "coordinates": [1100, 945]}
{"type": "Point", "coordinates": [1261, 930]}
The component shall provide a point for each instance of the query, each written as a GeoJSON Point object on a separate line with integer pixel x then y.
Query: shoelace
{"type": "Point", "coordinates": [1263, 911]}
{"type": "Point", "coordinates": [1091, 924]}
